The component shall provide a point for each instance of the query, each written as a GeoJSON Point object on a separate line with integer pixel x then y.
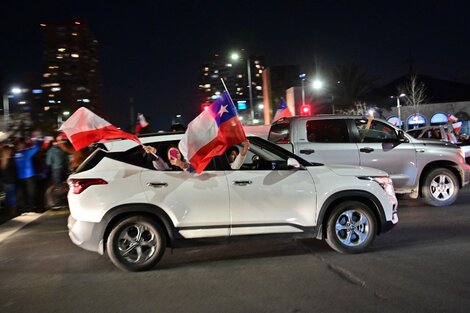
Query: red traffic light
{"type": "Point", "coordinates": [205, 106]}
{"type": "Point", "coordinates": [305, 110]}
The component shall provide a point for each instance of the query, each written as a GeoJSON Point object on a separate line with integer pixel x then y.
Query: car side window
{"type": "Point", "coordinates": [279, 133]}
{"type": "Point", "coordinates": [327, 131]}
{"type": "Point", "coordinates": [377, 132]}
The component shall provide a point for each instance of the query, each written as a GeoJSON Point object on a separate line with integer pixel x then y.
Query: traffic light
{"type": "Point", "coordinates": [205, 106]}
{"type": "Point", "coordinates": [305, 110]}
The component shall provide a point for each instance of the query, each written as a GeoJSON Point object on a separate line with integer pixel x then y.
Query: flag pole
{"type": "Point", "coordinates": [223, 83]}
{"type": "Point", "coordinates": [228, 93]}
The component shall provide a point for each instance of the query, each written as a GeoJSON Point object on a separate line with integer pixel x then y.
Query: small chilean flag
{"type": "Point", "coordinates": [282, 111]}
{"type": "Point", "coordinates": [211, 133]}
{"type": "Point", "coordinates": [84, 127]}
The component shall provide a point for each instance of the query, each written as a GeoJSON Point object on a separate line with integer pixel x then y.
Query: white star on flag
{"type": "Point", "coordinates": [222, 110]}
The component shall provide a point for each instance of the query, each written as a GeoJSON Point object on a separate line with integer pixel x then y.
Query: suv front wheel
{"type": "Point", "coordinates": [136, 244]}
{"type": "Point", "coordinates": [440, 187]}
{"type": "Point", "coordinates": [351, 227]}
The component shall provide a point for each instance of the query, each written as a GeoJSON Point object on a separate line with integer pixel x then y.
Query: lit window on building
{"type": "Point", "coordinates": [207, 86]}
{"type": "Point", "coordinates": [206, 69]}
{"type": "Point", "coordinates": [86, 100]}
{"type": "Point", "coordinates": [228, 65]}
{"type": "Point", "coordinates": [59, 56]}
{"type": "Point", "coordinates": [239, 76]}
{"type": "Point", "coordinates": [55, 89]}
{"type": "Point", "coordinates": [45, 75]}
{"type": "Point", "coordinates": [75, 55]}
{"type": "Point", "coordinates": [259, 88]}
{"type": "Point", "coordinates": [74, 34]}
{"type": "Point", "coordinates": [61, 49]}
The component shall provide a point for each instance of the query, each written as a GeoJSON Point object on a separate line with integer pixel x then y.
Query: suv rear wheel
{"type": "Point", "coordinates": [136, 244]}
{"type": "Point", "coordinates": [351, 227]}
{"type": "Point", "coordinates": [440, 188]}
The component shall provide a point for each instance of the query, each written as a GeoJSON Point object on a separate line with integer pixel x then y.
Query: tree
{"type": "Point", "coordinates": [352, 85]}
{"type": "Point", "coordinates": [415, 92]}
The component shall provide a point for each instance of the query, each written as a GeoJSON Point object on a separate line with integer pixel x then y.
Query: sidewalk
{"type": "Point", "coordinates": [7, 228]}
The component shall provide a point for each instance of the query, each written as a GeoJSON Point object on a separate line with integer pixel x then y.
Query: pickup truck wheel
{"type": "Point", "coordinates": [440, 188]}
{"type": "Point", "coordinates": [136, 244]}
{"type": "Point", "coordinates": [351, 227]}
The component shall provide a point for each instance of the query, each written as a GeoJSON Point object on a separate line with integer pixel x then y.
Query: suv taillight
{"type": "Point", "coordinates": [80, 184]}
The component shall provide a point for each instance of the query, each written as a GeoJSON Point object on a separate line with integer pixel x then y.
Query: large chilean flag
{"type": "Point", "coordinates": [211, 133]}
{"type": "Point", "coordinates": [84, 127]}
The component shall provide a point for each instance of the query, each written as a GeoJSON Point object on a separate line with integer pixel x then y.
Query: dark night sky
{"type": "Point", "coordinates": [156, 48]}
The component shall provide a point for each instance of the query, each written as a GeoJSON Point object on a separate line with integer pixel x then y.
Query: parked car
{"type": "Point", "coordinates": [432, 170]}
{"type": "Point", "coordinates": [440, 133]}
{"type": "Point", "coordinates": [121, 205]}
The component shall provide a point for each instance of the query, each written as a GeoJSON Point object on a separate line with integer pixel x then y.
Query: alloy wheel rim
{"type": "Point", "coordinates": [352, 228]}
{"type": "Point", "coordinates": [442, 187]}
{"type": "Point", "coordinates": [137, 243]}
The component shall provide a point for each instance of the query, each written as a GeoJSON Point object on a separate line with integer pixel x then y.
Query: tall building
{"type": "Point", "coordinates": [237, 75]}
{"type": "Point", "coordinates": [71, 76]}
{"type": "Point", "coordinates": [277, 80]}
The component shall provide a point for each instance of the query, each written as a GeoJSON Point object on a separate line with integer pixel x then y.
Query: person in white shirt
{"type": "Point", "coordinates": [236, 158]}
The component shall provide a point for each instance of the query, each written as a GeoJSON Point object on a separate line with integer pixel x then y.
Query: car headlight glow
{"type": "Point", "coordinates": [384, 181]}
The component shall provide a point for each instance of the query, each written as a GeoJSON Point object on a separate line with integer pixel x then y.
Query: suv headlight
{"type": "Point", "coordinates": [384, 181]}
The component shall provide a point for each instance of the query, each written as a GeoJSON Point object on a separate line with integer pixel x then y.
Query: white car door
{"type": "Point", "coordinates": [267, 200]}
{"type": "Point", "coordinates": [198, 204]}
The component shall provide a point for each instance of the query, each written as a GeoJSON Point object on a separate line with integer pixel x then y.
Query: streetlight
{"type": "Point", "coordinates": [6, 105]}
{"type": "Point", "coordinates": [399, 107]}
{"type": "Point", "coordinates": [235, 56]}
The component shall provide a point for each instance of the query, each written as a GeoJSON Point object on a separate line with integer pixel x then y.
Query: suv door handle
{"type": "Point", "coordinates": [157, 185]}
{"type": "Point", "coordinates": [241, 182]}
{"type": "Point", "coordinates": [307, 151]}
{"type": "Point", "coordinates": [366, 150]}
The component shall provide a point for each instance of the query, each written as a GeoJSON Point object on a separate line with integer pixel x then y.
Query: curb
{"type": "Point", "coordinates": [12, 226]}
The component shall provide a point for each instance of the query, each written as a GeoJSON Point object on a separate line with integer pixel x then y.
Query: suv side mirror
{"type": "Point", "coordinates": [401, 136]}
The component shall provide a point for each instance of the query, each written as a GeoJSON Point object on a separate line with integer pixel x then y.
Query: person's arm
{"type": "Point", "coordinates": [158, 163]}
{"type": "Point", "coordinates": [240, 159]}
{"type": "Point", "coordinates": [185, 166]}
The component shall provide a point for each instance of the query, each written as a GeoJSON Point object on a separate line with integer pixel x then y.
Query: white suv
{"type": "Point", "coordinates": [120, 204]}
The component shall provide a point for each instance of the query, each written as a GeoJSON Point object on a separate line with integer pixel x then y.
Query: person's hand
{"type": "Point", "coordinates": [149, 149]}
{"type": "Point", "coordinates": [246, 145]}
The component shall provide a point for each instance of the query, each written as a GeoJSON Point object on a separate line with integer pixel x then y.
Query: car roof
{"type": "Point", "coordinates": [126, 144]}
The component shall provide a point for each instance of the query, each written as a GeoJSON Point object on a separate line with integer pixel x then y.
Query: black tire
{"type": "Point", "coordinates": [351, 227]}
{"type": "Point", "coordinates": [136, 243]}
{"type": "Point", "coordinates": [440, 187]}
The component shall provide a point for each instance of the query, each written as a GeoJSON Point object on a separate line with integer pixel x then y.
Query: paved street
{"type": "Point", "coordinates": [421, 266]}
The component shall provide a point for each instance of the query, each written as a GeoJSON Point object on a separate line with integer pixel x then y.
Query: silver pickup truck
{"type": "Point", "coordinates": [432, 170]}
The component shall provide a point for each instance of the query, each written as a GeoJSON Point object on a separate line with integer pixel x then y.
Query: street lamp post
{"type": "Point", "coordinates": [250, 89]}
{"type": "Point", "coordinates": [399, 106]}
{"type": "Point", "coordinates": [6, 105]}
{"type": "Point", "coordinates": [235, 57]}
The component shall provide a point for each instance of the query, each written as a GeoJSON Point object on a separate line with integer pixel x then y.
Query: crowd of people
{"type": "Point", "coordinates": [32, 166]}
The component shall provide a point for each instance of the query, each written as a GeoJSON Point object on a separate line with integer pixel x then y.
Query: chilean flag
{"type": "Point", "coordinates": [211, 133]}
{"type": "Point", "coordinates": [84, 127]}
{"type": "Point", "coordinates": [141, 123]}
{"type": "Point", "coordinates": [282, 111]}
